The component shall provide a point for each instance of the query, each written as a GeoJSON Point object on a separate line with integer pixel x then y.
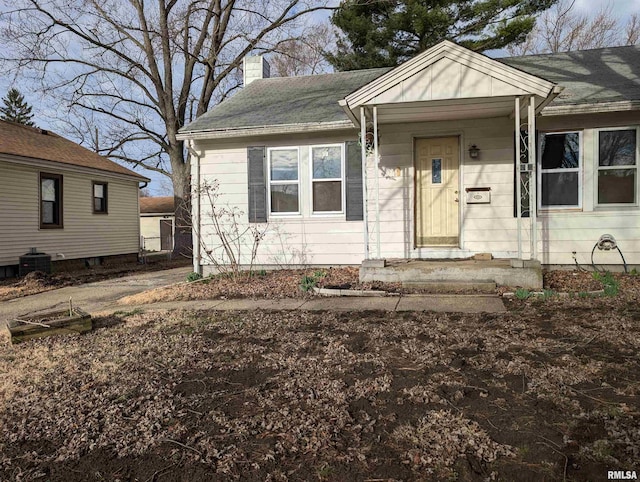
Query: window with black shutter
{"type": "Point", "coordinates": [257, 184]}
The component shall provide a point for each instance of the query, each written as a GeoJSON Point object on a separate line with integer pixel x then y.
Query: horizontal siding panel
{"type": "Point", "coordinates": [84, 235]}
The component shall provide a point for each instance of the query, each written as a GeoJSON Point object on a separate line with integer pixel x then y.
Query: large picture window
{"type": "Point", "coordinates": [50, 201]}
{"type": "Point", "coordinates": [327, 168]}
{"type": "Point", "coordinates": [617, 166]}
{"type": "Point", "coordinates": [560, 170]}
{"type": "Point", "coordinates": [284, 181]}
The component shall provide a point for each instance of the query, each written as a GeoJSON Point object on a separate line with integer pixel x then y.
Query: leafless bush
{"type": "Point", "coordinates": [232, 241]}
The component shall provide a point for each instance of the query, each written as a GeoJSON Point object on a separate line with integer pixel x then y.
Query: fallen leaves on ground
{"type": "Point", "coordinates": [536, 393]}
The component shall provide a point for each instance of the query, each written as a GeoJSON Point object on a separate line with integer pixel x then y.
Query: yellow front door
{"type": "Point", "coordinates": [437, 191]}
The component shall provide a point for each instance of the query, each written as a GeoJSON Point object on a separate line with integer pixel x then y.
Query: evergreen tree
{"type": "Point", "coordinates": [387, 33]}
{"type": "Point", "coordinates": [16, 109]}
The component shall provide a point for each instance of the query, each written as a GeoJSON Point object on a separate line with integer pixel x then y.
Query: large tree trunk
{"type": "Point", "coordinates": [181, 178]}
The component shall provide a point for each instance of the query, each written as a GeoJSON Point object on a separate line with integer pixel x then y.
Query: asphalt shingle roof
{"type": "Point", "coordinates": [34, 143]}
{"type": "Point", "coordinates": [588, 76]}
{"type": "Point", "coordinates": [157, 205]}
{"type": "Point", "coordinates": [286, 101]}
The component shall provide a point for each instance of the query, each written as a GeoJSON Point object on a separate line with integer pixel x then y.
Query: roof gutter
{"type": "Point", "coordinates": [555, 91]}
{"type": "Point", "coordinates": [345, 106]}
{"type": "Point", "coordinates": [265, 130]}
{"type": "Point", "coordinates": [594, 108]}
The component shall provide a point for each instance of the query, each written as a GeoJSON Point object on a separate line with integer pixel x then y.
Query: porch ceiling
{"type": "Point", "coordinates": [446, 109]}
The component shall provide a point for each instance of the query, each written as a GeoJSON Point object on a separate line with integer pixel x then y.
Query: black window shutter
{"type": "Point", "coordinates": [354, 181]}
{"type": "Point", "coordinates": [256, 159]}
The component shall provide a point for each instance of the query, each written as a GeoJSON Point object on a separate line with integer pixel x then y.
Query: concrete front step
{"type": "Point", "coordinates": [499, 271]}
{"type": "Point", "coordinates": [452, 286]}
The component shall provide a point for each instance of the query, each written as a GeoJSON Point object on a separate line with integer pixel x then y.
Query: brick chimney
{"type": "Point", "coordinates": [255, 67]}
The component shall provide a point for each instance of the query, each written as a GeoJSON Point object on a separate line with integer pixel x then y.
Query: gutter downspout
{"type": "Point", "coordinates": [195, 209]}
{"type": "Point", "coordinates": [363, 147]}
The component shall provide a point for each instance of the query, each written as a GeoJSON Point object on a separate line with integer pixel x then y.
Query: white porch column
{"type": "Point", "coordinates": [518, 175]}
{"type": "Point", "coordinates": [363, 152]}
{"type": "Point", "coordinates": [533, 202]}
{"type": "Point", "coordinates": [377, 174]}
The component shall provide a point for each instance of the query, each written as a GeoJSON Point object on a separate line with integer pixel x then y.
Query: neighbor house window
{"type": "Point", "coordinates": [327, 167]}
{"type": "Point", "coordinates": [560, 170]}
{"type": "Point", "coordinates": [50, 201]}
{"type": "Point", "coordinates": [284, 181]}
{"type": "Point", "coordinates": [99, 197]}
{"type": "Point", "coordinates": [617, 166]}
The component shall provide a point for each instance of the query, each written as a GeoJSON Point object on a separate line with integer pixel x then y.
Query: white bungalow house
{"type": "Point", "coordinates": [453, 139]}
{"type": "Point", "coordinates": [65, 201]}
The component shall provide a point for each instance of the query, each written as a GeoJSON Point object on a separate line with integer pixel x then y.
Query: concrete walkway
{"type": "Point", "coordinates": [439, 303]}
{"type": "Point", "coordinates": [91, 296]}
{"type": "Point", "coordinates": [101, 298]}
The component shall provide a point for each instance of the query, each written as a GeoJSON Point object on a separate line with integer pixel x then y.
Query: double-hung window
{"type": "Point", "coordinates": [50, 201]}
{"type": "Point", "coordinates": [327, 168]}
{"type": "Point", "coordinates": [99, 197]}
{"type": "Point", "coordinates": [284, 180]}
{"type": "Point", "coordinates": [560, 170]}
{"type": "Point", "coordinates": [617, 166]}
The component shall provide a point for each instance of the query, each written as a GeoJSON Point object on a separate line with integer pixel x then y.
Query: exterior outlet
{"type": "Point", "coordinates": [255, 67]}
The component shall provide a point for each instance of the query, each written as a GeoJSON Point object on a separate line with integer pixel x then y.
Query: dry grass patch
{"type": "Point", "coordinates": [530, 394]}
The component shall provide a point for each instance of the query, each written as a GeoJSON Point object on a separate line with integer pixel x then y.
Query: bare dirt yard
{"type": "Point", "coordinates": [38, 282]}
{"type": "Point", "coordinates": [546, 391]}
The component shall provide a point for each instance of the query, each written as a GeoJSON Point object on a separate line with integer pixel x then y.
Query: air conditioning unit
{"type": "Point", "coordinates": [34, 261]}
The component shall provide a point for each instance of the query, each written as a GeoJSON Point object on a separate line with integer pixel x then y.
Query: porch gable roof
{"type": "Point", "coordinates": [448, 71]}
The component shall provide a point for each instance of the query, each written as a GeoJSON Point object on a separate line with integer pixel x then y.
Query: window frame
{"type": "Point", "coordinates": [598, 168]}
{"type": "Point", "coordinates": [341, 179]}
{"type": "Point", "coordinates": [59, 200]}
{"type": "Point", "coordinates": [579, 170]}
{"type": "Point", "coordinates": [105, 185]}
{"type": "Point", "coordinates": [270, 183]}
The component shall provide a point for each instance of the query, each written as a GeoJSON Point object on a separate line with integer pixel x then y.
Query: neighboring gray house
{"type": "Point", "coordinates": [64, 200]}
{"type": "Point", "coordinates": [452, 139]}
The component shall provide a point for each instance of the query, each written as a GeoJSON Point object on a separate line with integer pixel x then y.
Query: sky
{"type": "Point", "coordinates": [621, 8]}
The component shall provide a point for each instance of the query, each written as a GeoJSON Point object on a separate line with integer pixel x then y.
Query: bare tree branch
{"type": "Point", "coordinates": [562, 29]}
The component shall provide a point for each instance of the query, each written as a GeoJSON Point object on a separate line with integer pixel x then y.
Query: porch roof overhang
{"type": "Point", "coordinates": [448, 82]}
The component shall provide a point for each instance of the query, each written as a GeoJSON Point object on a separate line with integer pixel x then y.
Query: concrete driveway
{"type": "Point", "coordinates": [91, 296]}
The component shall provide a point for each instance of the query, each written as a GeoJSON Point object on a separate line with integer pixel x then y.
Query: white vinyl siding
{"type": "Point", "coordinates": [316, 240]}
{"type": "Point", "coordinates": [303, 239]}
{"type": "Point", "coordinates": [83, 234]}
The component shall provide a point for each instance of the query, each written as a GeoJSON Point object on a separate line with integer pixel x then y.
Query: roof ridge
{"type": "Point", "coordinates": [564, 52]}
{"type": "Point", "coordinates": [324, 74]}
{"type": "Point", "coordinates": [36, 129]}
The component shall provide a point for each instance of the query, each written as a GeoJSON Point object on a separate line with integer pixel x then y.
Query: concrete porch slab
{"type": "Point", "coordinates": [499, 271]}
